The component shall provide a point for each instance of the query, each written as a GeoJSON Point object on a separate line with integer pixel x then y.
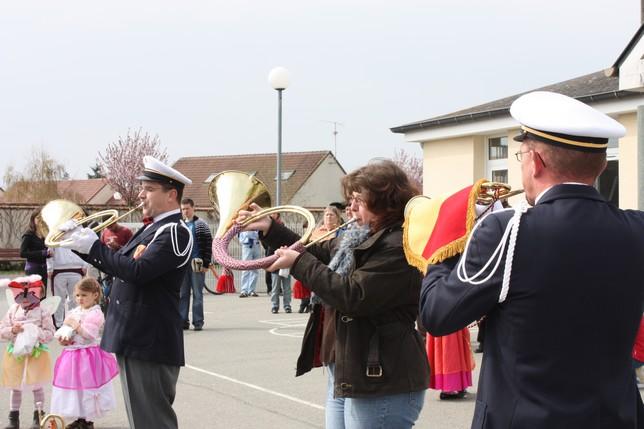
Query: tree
{"type": "Point", "coordinates": [37, 183]}
{"type": "Point", "coordinates": [122, 162]}
{"type": "Point", "coordinates": [97, 171]}
{"type": "Point", "coordinates": [411, 165]}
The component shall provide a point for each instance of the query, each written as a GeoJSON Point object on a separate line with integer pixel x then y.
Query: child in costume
{"type": "Point", "coordinates": [82, 387]}
{"type": "Point", "coordinates": [28, 326]}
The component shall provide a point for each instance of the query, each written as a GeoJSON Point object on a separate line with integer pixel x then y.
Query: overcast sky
{"type": "Point", "coordinates": [74, 75]}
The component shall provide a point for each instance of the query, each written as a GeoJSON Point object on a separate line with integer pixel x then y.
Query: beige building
{"type": "Point", "coordinates": [464, 146]}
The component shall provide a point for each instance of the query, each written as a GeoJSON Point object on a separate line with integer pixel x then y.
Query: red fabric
{"type": "Point", "coordinates": [638, 348]}
{"type": "Point", "coordinates": [300, 291]}
{"type": "Point", "coordinates": [451, 222]}
{"type": "Point", "coordinates": [226, 283]}
{"type": "Point", "coordinates": [317, 361]}
{"type": "Point", "coordinates": [119, 237]}
{"type": "Point", "coordinates": [450, 361]}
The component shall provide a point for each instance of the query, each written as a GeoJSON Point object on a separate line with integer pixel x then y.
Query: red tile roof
{"type": "Point", "coordinates": [198, 169]}
{"type": "Point", "coordinates": [79, 190]}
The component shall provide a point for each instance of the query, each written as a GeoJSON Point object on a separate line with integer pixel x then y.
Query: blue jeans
{"type": "Point", "coordinates": [194, 282]}
{"type": "Point", "coordinates": [249, 277]}
{"type": "Point", "coordinates": [398, 411]}
{"type": "Point", "coordinates": [280, 284]}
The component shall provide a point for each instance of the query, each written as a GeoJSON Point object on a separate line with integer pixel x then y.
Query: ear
{"type": "Point", "coordinates": [536, 162]}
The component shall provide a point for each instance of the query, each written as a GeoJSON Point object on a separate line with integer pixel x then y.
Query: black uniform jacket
{"type": "Point", "coordinates": [143, 319]}
{"type": "Point", "coordinates": [557, 352]}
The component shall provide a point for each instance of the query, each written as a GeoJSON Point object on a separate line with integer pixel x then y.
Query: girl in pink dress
{"type": "Point", "coordinates": [82, 387]}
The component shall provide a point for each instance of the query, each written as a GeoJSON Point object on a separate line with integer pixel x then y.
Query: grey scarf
{"type": "Point", "coordinates": [343, 259]}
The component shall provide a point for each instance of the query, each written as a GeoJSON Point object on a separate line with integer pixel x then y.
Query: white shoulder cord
{"type": "Point", "coordinates": [505, 286]}
{"type": "Point", "coordinates": [175, 240]}
{"type": "Point", "coordinates": [511, 229]}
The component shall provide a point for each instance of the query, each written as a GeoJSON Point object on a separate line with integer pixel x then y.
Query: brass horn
{"type": "Point", "coordinates": [490, 192]}
{"type": "Point", "coordinates": [57, 212]}
{"type": "Point", "coordinates": [231, 191]}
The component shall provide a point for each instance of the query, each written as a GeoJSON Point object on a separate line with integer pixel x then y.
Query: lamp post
{"type": "Point", "coordinates": [279, 80]}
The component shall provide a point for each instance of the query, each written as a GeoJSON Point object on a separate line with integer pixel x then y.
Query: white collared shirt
{"type": "Point", "coordinates": [163, 216]}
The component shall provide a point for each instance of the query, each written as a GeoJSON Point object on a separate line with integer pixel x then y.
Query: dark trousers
{"type": "Point", "coordinates": [149, 389]}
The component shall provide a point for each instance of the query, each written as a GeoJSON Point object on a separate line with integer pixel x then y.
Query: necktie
{"type": "Point", "coordinates": [147, 220]}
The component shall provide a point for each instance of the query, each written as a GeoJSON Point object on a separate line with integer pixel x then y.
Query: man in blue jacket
{"type": "Point", "coordinates": [563, 314]}
{"type": "Point", "coordinates": [143, 324]}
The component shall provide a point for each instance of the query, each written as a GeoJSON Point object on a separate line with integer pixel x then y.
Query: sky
{"type": "Point", "coordinates": [75, 75]}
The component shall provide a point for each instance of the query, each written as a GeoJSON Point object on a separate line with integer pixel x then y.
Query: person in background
{"type": "Point", "coordinates": [33, 249]}
{"type": "Point", "coordinates": [280, 281]}
{"type": "Point", "coordinates": [249, 241]}
{"type": "Point", "coordinates": [201, 258]}
{"type": "Point", "coordinates": [65, 269]}
{"type": "Point", "coordinates": [114, 236]}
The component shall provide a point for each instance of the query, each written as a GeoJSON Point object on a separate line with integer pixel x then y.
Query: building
{"type": "Point", "coordinates": [464, 146]}
{"type": "Point", "coordinates": [309, 179]}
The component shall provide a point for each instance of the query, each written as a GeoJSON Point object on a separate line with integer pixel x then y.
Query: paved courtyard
{"type": "Point", "coordinates": [240, 373]}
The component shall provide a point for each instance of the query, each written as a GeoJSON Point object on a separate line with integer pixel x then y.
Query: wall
{"type": "Point", "coordinates": [322, 187]}
{"type": "Point", "coordinates": [628, 168]}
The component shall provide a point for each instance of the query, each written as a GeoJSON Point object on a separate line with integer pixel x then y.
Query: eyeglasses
{"type": "Point", "coordinates": [356, 199]}
{"type": "Point", "coordinates": [519, 155]}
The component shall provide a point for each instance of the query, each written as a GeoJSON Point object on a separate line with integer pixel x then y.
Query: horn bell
{"type": "Point", "coordinates": [231, 191]}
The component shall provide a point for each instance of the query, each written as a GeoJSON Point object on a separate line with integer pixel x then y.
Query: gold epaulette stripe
{"type": "Point", "coordinates": [563, 140]}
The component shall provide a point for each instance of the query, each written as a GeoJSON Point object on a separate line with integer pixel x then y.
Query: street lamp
{"type": "Point", "coordinates": [279, 80]}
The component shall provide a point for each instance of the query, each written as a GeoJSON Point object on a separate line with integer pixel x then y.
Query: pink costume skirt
{"type": "Point", "coordinates": [450, 361]}
{"type": "Point", "coordinates": [84, 368]}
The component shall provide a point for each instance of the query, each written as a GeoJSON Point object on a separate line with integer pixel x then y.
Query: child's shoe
{"type": "Point", "coordinates": [14, 420]}
{"type": "Point", "coordinates": [38, 415]}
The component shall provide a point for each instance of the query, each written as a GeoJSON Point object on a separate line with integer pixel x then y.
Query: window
{"type": "Point", "coordinates": [285, 175]}
{"type": "Point", "coordinates": [497, 148]}
{"type": "Point", "coordinates": [608, 182]}
{"type": "Point", "coordinates": [496, 162]}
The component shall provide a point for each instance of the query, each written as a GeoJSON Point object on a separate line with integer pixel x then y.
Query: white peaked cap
{"type": "Point", "coordinates": [156, 171]}
{"type": "Point", "coordinates": [560, 120]}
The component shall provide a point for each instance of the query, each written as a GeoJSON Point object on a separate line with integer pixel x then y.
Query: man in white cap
{"type": "Point", "coordinates": [563, 314]}
{"type": "Point", "coordinates": [143, 324]}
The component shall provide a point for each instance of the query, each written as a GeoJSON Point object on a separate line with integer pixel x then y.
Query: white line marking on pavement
{"type": "Point", "coordinates": [256, 387]}
{"type": "Point", "coordinates": [285, 327]}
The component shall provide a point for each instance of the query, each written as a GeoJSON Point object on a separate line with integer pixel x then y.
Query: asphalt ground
{"type": "Point", "coordinates": [240, 373]}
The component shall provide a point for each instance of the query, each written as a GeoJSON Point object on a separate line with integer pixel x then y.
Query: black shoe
{"type": "Point", "coordinates": [14, 420]}
{"type": "Point", "coordinates": [287, 309]}
{"type": "Point", "coordinates": [243, 295]}
{"type": "Point", "coordinates": [38, 415]}
{"type": "Point", "coordinates": [253, 294]}
{"type": "Point", "coordinates": [198, 328]}
{"type": "Point", "coordinates": [274, 310]}
{"type": "Point", "coordinates": [186, 326]}
{"type": "Point", "coordinates": [301, 310]}
{"type": "Point", "coordinates": [453, 395]}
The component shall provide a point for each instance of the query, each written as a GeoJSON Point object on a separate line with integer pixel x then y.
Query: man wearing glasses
{"type": "Point", "coordinates": [563, 314]}
{"type": "Point", "coordinates": [143, 324]}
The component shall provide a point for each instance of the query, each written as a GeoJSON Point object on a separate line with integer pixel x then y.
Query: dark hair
{"type": "Point", "coordinates": [188, 201]}
{"type": "Point", "coordinates": [32, 221]}
{"type": "Point", "coordinates": [385, 188]}
{"type": "Point", "coordinates": [91, 285]}
{"type": "Point", "coordinates": [569, 164]}
{"type": "Point", "coordinates": [168, 187]}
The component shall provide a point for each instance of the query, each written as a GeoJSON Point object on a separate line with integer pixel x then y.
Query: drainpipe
{"type": "Point", "coordinates": [640, 157]}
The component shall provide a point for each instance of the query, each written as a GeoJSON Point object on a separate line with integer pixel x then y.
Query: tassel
{"type": "Point", "coordinates": [226, 282]}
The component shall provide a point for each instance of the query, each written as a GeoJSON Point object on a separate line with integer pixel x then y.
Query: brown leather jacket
{"type": "Point", "coordinates": [377, 348]}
